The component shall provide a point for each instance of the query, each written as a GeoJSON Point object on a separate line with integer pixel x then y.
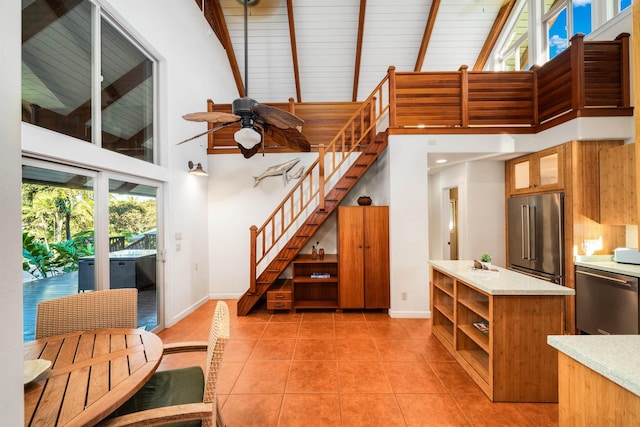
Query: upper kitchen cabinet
{"type": "Point", "coordinates": [618, 204]}
{"type": "Point", "coordinates": [537, 172]}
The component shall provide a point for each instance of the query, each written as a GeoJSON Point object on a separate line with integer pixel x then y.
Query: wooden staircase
{"type": "Point", "coordinates": [367, 157]}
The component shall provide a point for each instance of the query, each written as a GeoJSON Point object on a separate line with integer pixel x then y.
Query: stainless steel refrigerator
{"type": "Point", "coordinates": [536, 236]}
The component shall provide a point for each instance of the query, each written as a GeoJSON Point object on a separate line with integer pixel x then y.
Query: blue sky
{"type": "Point", "coordinates": [558, 38]}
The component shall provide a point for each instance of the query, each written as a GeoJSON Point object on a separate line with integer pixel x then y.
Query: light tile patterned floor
{"type": "Point", "coordinates": [344, 369]}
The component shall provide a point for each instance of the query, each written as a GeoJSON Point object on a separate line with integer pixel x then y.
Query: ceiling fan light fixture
{"type": "Point", "coordinates": [197, 170]}
{"type": "Point", "coordinates": [248, 137]}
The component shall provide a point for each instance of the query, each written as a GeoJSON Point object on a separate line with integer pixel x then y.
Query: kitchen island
{"type": "Point", "coordinates": [495, 324]}
{"type": "Point", "coordinates": [598, 379]}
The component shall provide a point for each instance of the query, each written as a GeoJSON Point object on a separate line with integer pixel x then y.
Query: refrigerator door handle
{"type": "Point", "coordinates": [524, 226]}
{"type": "Point", "coordinates": [532, 232]}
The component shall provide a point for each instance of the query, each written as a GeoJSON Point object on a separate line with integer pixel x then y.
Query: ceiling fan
{"type": "Point", "coordinates": [256, 120]}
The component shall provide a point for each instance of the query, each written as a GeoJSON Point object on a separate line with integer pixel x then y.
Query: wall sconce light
{"type": "Point", "coordinates": [197, 170]}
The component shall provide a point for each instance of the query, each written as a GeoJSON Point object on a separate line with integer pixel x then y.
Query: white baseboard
{"type": "Point", "coordinates": [398, 314]}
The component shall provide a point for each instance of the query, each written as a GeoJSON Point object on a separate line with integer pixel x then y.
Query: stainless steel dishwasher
{"type": "Point", "coordinates": [606, 303]}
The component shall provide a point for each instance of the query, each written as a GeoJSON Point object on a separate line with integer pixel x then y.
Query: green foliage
{"type": "Point", "coordinates": [131, 217]}
{"type": "Point", "coordinates": [37, 259]}
{"type": "Point", "coordinates": [67, 254]}
{"type": "Point", "coordinates": [42, 261]}
{"type": "Point", "coordinates": [485, 257]}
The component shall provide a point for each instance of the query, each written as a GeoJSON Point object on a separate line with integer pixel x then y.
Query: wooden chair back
{"type": "Point", "coordinates": [112, 308]}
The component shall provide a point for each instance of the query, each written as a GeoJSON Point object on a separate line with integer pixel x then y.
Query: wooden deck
{"type": "Point", "coordinates": [67, 284]}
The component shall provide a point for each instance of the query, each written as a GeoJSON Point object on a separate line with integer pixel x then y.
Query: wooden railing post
{"type": "Point", "coordinates": [292, 106]}
{"type": "Point", "coordinates": [625, 84]}
{"type": "Point", "coordinates": [252, 260]}
{"type": "Point", "coordinates": [321, 156]}
{"type": "Point", "coordinates": [372, 112]}
{"type": "Point", "coordinates": [577, 72]}
{"type": "Point", "coordinates": [464, 96]}
{"type": "Point", "coordinates": [534, 90]}
{"type": "Point", "coordinates": [392, 96]}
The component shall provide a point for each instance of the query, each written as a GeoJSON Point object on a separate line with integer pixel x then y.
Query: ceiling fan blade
{"type": "Point", "coordinates": [277, 117]}
{"type": "Point", "coordinates": [207, 131]}
{"type": "Point", "coordinates": [211, 117]}
{"type": "Point", "coordinates": [290, 137]}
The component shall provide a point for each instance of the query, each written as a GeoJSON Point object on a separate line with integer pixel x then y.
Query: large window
{"type": "Point", "coordinates": [551, 24]}
{"type": "Point", "coordinates": [70, 84]}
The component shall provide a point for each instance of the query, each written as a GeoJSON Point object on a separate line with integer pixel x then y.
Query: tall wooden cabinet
{"type": "Point", "coordinates": [363, 251]}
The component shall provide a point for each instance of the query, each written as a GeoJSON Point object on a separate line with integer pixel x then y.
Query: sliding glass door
{"type": "Point", "coordinates": [133, 248]}
{"type": "Point", "coordinates": [85, 230]}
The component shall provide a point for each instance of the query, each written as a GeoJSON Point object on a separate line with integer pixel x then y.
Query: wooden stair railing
{"type": "Point", "coordinates": [307, 205]}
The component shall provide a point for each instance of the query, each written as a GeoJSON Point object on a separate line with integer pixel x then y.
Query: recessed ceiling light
{"type": "Point", "coordinates": [441, 161]}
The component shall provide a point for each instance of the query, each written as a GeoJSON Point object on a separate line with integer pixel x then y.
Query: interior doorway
{"type": "Point", "coordinates": [453, 223]}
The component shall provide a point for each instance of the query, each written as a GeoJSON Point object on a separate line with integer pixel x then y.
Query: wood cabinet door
{"type": "Point", "coordinates": [618, 185]}
{"type": "Point", "coordinates": [376, 257]}
{"type": "Point", "coordinates": [350, 253]}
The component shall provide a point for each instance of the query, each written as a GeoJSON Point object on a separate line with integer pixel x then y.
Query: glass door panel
{"type": "Point", "coordinates": [133, 245]}
{"type": "Point", "coordinates": [57, 234]}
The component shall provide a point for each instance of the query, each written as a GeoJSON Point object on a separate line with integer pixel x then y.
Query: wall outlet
{"type": "Point", "coordinates": [403, 296]}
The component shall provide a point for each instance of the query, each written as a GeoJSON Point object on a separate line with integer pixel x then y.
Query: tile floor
{"type": "Point", "coordinates": [344, 369]}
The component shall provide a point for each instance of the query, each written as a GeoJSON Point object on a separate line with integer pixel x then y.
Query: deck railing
{"type": "Point", "coordinates": [309, 191]}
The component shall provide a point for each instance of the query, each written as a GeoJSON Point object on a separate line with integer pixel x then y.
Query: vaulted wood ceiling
{"type": "Point", "coordinates": [339, 50]}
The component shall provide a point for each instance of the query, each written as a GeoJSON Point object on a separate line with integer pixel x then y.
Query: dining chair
{"type": "Point", "coordinates": [110, 308]}
{"type": "Point", "coordinates": [185, 396]}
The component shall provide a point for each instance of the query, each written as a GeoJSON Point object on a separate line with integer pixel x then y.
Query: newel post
{"type": "Point", "coordinates": [321, 155]}
{"type": "Point", "coordinates": [464, 96]}
{"type": "Point", "coordinates": [625, 83]}
{"type": "Point", "coordinates": [534, 90]}
{"type": "Point", "coordinates": [577, 72]}
{"type": "Point", "coordinates": [252, 259]}
{"type": "Point", "coordinates": [392, 96]}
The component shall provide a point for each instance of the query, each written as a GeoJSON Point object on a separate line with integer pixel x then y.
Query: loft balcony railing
{"type": "Point", "coordinates": [589, 79]}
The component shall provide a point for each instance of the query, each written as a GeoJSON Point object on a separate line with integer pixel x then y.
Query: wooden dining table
{"type": "Point", "coordinates": [92, 373]}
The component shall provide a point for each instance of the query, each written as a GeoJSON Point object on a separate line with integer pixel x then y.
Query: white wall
{"type": "Point", "coordinates": [11, 400]}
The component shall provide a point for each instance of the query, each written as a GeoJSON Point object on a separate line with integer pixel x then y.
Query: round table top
{"type": "Point", "coordinates": [92, 374]}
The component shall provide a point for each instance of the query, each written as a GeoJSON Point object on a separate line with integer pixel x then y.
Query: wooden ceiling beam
{"type": "Point", "coordinates": [494, 33]}
{"type": "Point", "coordinates": [39, 15]}
{"type": "Point", "coordinates": [428, 30]}
{"type": "Point", "coordinates": [356, 69]}
{"type": "Point", "coordinates": [294, 49]}
{"type": "Point", "coordinates": [116, 90]}
{"type": "Point", "coordinates": [215, 17]}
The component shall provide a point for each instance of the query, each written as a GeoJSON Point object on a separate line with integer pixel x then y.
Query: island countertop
{"type": "Point", "coordinates": [501, 282]}
{"type": "Point", "coordinates": [615, 357]}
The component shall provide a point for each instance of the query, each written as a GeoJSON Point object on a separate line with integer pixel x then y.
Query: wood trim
{"type": "Point", "coordinates": [492, 37]}
{"type": "Point", "coordinates": [636, 92]}
{"type": "Point", "coordinates": [294, 49]}
{"type": "Point", "coordinates": [428, 30]}
{"type": "Point", "coordinates": [215, 17]}
{"type": "Point", "coordinates": [356, 69]}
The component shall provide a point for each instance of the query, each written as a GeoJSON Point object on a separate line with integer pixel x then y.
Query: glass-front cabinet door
{"type": "Point", "coordinates": [542, 171]}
